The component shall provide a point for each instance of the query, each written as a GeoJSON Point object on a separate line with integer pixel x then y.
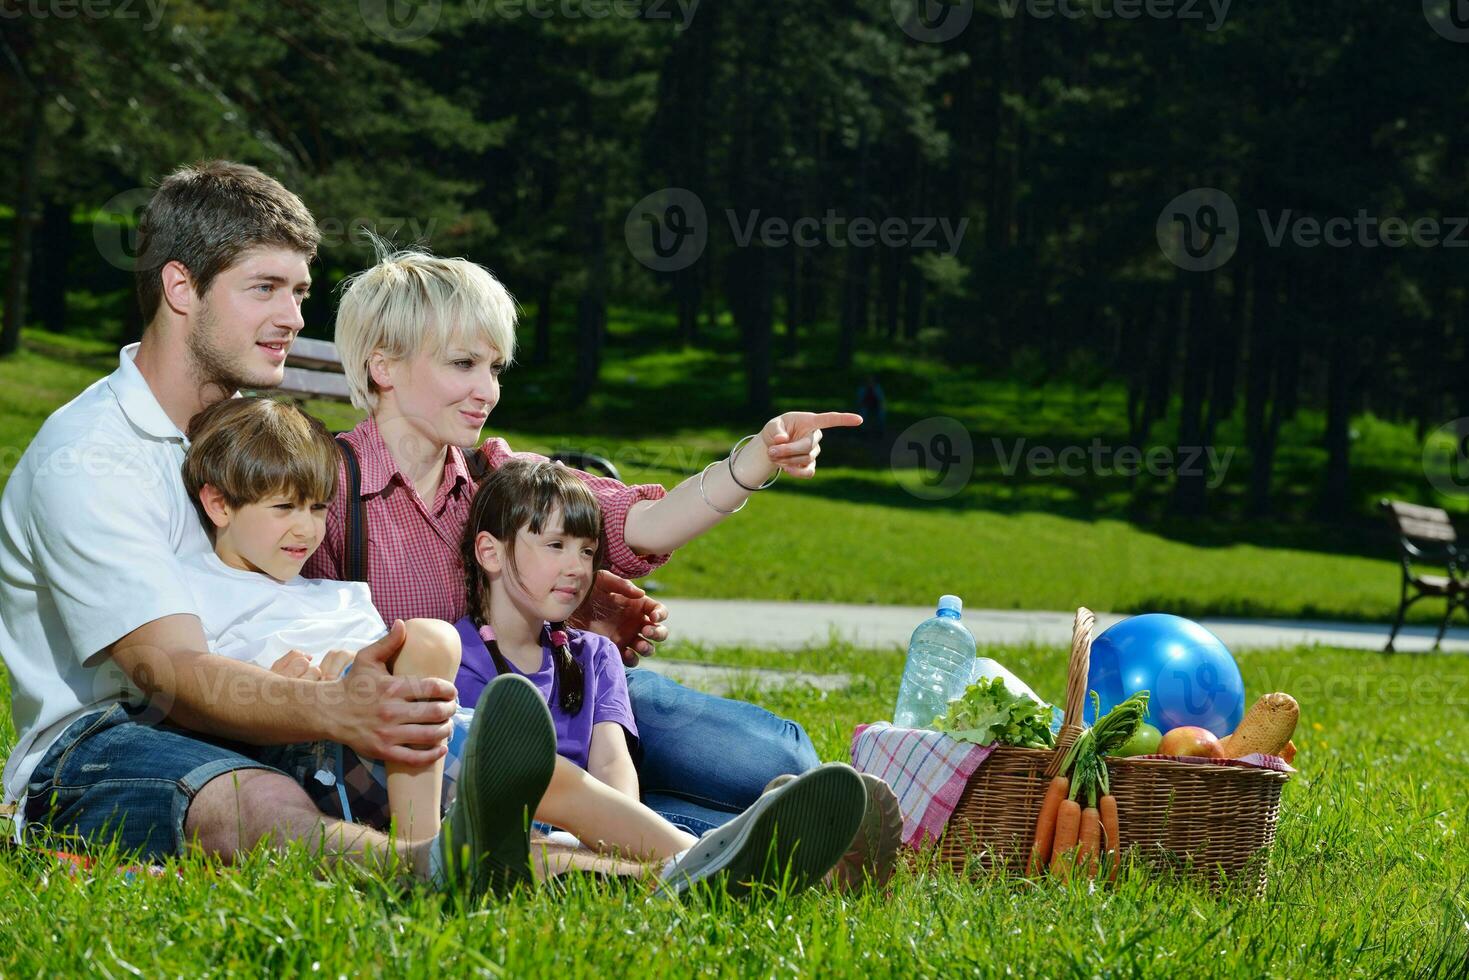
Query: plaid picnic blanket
{"type": "Point", "coordinates": [927, 770]}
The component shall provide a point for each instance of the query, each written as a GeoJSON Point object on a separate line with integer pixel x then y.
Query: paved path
{"type": "Point", "coordinates": [719, 622]}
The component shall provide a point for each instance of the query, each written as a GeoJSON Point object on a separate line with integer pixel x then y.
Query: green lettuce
{"type": "Point", "coordinates": [988, 713]}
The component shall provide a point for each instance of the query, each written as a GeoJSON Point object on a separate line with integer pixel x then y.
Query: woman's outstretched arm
{"type": "Point", "coordinates": [789, 442]}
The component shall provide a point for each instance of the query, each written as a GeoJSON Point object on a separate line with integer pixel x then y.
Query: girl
{"type": "Point", "coordinates": [531, 550]}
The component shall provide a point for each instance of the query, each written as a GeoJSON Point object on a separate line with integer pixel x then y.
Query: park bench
{"type": "Point", "coordinates": [314, 371]}
{"type": "Point", "coordinates": [1426, 536]}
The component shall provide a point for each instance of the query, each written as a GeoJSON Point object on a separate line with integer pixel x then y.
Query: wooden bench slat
{"type": "Point", "coordinates": [1418, 512]}
{"type": "Point", "coordinates": [1426, 530]}
{"type": "Point", "coordinates": [319, 355]}
{"type": "Point", "coordinates": [313, 384]}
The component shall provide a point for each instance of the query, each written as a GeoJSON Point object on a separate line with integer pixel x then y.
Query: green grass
{"type": "Point", "coordinates": [1368, 877]}
{"type": "Point", "coordinates": [855, 534]}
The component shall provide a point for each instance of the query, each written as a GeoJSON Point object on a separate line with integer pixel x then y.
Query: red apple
{"type": "Point", "coordinates": [1190, 740]}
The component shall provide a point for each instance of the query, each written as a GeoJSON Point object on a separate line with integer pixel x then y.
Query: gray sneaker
{"type": "Point", "coordinates": [509, 755]}
{"type": "Point", "coordinates": [793, 835]}
{"type": "Point", "coordinates": [873, 853]}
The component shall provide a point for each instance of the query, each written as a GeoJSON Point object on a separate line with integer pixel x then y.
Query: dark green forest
{"type": "Point", "coordinates": [1234, 211]}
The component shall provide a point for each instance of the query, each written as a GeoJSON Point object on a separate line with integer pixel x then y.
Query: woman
{"type": "Point", "coordinates": [423, 341]}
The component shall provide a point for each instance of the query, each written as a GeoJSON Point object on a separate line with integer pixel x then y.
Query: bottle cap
{"type": "Point", "coordinates": [951, 604]}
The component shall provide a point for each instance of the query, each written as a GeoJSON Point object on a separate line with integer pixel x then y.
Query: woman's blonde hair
{"type": "Point", "coordinates": [412, 301]}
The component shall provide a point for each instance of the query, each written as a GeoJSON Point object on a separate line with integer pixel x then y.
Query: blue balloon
{"type": "Point", "coordinates": [1190, 675]}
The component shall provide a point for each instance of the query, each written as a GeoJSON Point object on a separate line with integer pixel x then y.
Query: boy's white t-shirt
{"type": "Point", "coordinates": [252, 617]}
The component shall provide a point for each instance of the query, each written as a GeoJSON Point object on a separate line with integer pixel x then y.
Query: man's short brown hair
{"type": "Point", "coordinates": [206, 216]}
{"type": "Point", "coordinates": [254, 448]}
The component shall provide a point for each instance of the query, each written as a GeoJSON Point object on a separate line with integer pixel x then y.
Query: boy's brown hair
{"type": "Point", "coordinates": [255, 448]}
{"type": "Point", "coordinates": [206, 215]}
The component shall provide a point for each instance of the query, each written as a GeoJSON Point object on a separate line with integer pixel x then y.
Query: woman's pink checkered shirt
{"type": "Point", "coordinates": [413, 566]}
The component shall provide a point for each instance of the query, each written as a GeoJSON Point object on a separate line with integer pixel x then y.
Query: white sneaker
{"type": "Point", "coordinates": [791, 835]}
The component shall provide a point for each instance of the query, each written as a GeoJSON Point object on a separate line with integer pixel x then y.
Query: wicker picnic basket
{"type": "Point", "coordinates": [1214, 822]}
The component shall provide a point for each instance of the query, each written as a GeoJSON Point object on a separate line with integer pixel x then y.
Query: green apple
{"type": "Point", "coordinates": [1144, 742]}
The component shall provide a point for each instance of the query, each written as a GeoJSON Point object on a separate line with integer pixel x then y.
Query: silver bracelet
{"type": "Point", "coordinates": [735, 452]}
{"type": "Point", "coordinates": [712, 506]}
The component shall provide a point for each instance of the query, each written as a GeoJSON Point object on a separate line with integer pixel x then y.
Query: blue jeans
{"type": "Point", "coordinates": [119, 775]}
{"type": "Point", "coordinates": [705, 758]}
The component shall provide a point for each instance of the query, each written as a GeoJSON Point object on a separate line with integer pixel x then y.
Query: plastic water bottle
{"type": "Point", "coordinates": [940, 656]}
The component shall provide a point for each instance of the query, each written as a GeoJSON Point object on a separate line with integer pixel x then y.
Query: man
{"type": "Point", "coordinates": [97, 626]}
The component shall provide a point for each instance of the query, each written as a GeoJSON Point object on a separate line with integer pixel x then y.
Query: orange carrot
{"type": "Point", "coordinates": [1089, 841]}
{"type": "Point", "coordinates": [1045, 824]}
{"type": "Point", "coordinates": [1068, 825]}
{"type": "Point", "coordinates": [1111, 829]}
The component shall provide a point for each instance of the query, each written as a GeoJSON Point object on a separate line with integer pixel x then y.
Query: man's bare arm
{"type": "Point", "coordinates": [393, 719]}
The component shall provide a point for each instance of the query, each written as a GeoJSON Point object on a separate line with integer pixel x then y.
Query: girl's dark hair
{"type": "Point", "coordinates": [524, 494]}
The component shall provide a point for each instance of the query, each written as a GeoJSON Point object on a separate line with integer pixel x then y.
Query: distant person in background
{"type": "Point", "coordinates": [872, 405]}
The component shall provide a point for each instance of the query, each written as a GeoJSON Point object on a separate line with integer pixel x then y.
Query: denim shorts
{"type": "Point", "coordinates": [113, 777]}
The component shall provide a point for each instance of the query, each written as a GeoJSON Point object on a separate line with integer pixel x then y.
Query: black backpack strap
{"type": "Point", "coordinates": [475, 462]}
{"type": "Point", "coordinates": [355, 537]}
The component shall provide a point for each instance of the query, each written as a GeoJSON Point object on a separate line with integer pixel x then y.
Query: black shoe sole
{"type": "Point", "coordinates": [802, 834]}
{"type": "Point", "coordinates": [509, 756]}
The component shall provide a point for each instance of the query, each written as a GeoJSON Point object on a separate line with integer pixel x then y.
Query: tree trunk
{"type": "Point", "coordinates": [1188, 487]}
{"type": "Point", "coordinates": [544, 296]}
{"type": "Point", "coordinates": [50, 255]}
{"type": "Point", "coordinates": [792, 300]}
{"type": "Point", "coordinates": [912, 299]}
{"type": "Point", "coordinates": [750, 302]}
{"type": "Point", "coordinates": [854, 304]}
{"type": "Point", "coordinates": [686, 290]}
{"type": "Point", "coordinates": [20, 243]}
{"type": "Point", "coordinates": [591, 310]}
{"type": "Point", "coordinates": [892, 286]}
{"type": "Point", "coordinates": [1261, 424]}
{"type": "Point", "coordinates": [1340, 388]}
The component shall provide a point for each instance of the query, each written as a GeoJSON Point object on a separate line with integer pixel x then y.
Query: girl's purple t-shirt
{"type": "Point", "coordinates": [605, 697]}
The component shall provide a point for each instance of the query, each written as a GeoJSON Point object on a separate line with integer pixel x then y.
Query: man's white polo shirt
{"type": "Point", "coordinates": [93, 523]}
